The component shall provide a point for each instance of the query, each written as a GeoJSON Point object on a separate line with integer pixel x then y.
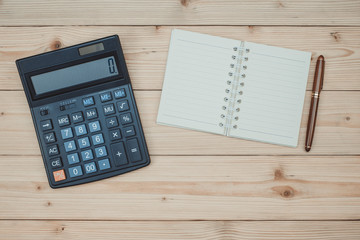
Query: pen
{"type": "Point", "coordinates": [315, 97]}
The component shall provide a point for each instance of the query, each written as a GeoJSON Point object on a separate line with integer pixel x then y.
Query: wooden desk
{"type": "Point", "coordinates": [199, 186]}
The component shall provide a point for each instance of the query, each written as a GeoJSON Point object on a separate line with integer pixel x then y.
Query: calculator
{"type": "Point", "coordinates": [84, 112]}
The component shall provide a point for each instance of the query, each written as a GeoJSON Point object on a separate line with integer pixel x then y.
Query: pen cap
{"type": "Point", "coordinates": [319, 74]}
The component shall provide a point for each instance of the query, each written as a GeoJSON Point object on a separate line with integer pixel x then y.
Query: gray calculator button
{"type": "Point", "coordinates": [118, 153]}
{"type": "Point", "coordinates": [122, 105]}
{"type": "Point", "coordinates": [53, 150]}
{"type": "Point", "coordinates": [89, 101]}
{"type": "Point", "coordinates": [84, 142]}
{"type": "Point", "coordinates": [46, 125]}
{"type": "Point", "coordinates": [91, 113]}
{"type": "Point", "coordinates": [44, 112]}
{"type": "Point", "coordinates": [108, 109]}
{"type": "Point", "coordinates": [129, 131]}
{"type": "Point", "coordinates": [120, 93]}
{"type": "Point", "coordinates": [70, 146]}
{"type": "Point", "coordinates": [49, 137]}
{"type": "Point", "coordinates": [90, 167]}
{"type": "Point", "coordinates": [55, 163]}
{"type": "Point", "coordinates": [80, 130]}
{"type": "Point", "coordinates": [73, 158]}
{"type": "Point", "coordinates": [97, 139]}
{"type": "Point", "coordinates": [94, 126]}
{"type": "Point", "coordinates": [134, 151]}
{"type": "Point", "coordinates": [100, 152]}
{"type": "Point", "coordinates": [115, 134]}
{"type": "Point", "coordinates": [104, 97]}
{"type": "Point", "coordinates": [104, 164]}
{"type": "Point", "coordinates": [63, 120]}
{"type": "Point", "coordinates": [112, 122]}
{"type": "Point", "coordinates": [77, 117]}
{"type": "Point", "coordinates": [66, 133]}
{"type": "Point", "coordinates": [75, 171]}
{"type": "Point", "coordinates": [87, 155]}
{"type": "Point", "coordinates": [125, 118]}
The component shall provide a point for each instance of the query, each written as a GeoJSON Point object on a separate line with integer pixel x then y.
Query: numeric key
{"type": "Point", "coordinates": [73, 158]}
{"type": "Point", "coordinates": [80, 130]}
{"type": "Point", "coordinates": [94, 126]}
{"type": "Point", "coordinates": [66, 133]}
{"type": "Point", "coordinates": [97, 139]}
{"type": "Point", "coordinates": [87, 155]}
{"type": "Point", "coordinates": [70, 146]}
{"type": "Point", "coordinates": [84, 142]}
{"type": "Point", "coordinates": [100, 152]}
{"type": "Point", "coordinates": [75, 171]}
{"type": "Point", "coordinates": [104, 164]}
{"type": "Point", "coordinates": [90, 168]}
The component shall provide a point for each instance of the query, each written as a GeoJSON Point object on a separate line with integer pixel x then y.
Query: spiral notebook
{"type": "Point", "coordinates": [235, 88]}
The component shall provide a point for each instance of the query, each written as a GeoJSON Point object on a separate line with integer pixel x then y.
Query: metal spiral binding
{"type": "Point", "coordinates": [235, 83]}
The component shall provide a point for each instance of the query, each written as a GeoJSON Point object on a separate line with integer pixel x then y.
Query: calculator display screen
{"type": "Point", "coordinates": [74, 75]}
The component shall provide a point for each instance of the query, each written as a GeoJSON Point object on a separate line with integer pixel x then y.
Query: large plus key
{"type": "Point", "coordinates": [118, 153]}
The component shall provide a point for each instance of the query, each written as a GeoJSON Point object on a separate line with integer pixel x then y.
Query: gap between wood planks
{"type": "Point", "coordinates": [171, 25]}
{"type": "Point", "coordinates": [171, 220]}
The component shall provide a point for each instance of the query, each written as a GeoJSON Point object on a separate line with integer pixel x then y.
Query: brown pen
{"type": "Point", "coordinates": [315, 97]}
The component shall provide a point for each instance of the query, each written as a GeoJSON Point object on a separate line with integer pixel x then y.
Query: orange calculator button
{"type": "Point", "coordinates": [59, 175]}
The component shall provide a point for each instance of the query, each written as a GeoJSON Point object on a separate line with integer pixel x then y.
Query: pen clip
{"type": "Point", "coordinates": [320, 68]}
{"type": "Point", "coordinates": [322, 76]}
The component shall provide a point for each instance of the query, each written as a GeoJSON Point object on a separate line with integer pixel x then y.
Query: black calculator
{"type": "Point", "coordinates": [84, 112]}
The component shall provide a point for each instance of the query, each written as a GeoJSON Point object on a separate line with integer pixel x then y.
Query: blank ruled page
{"type": "Point", "coordinates": [195, 81]}
{"type": "Point", "coordinates": [273, 94]}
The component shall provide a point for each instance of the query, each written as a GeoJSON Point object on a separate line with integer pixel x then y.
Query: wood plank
{"type": "Point", "coordinates": [146, 49]}
{"type": "Point", "coordinates": [179, 12]}
{"type": "Point", "coordinates": [200, 230]}
{"type": "Point", "coordinates": [337, 131]}
{"type": "Point", "coordinates": [191, 188]}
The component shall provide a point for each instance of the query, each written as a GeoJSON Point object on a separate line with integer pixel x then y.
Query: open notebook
{"type": "Point", "coordinates": [234, 88]}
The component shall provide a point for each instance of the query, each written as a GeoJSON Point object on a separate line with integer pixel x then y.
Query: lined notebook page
{"type": "Point", "coordinates": [195, 81]}
{"type": "Point", "coordinates": [273, 95]}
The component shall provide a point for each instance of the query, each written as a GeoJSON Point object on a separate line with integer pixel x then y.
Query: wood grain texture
{"type": "Point", "coordinates": [179, 12]}
{"type": "Point", "coordinates": [191, 188]}
{"type": "Point", "coordinates": [146, 49]}
{"type": "Point", "coordinates": [337, 131]}
{"type": "Point", "coordinates": [200, 230]}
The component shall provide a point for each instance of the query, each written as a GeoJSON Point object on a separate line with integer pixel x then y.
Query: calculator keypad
{"type": "Point", "coordinates": [83, 144]}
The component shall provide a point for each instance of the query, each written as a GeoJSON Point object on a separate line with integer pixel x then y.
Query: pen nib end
{"type": "Point", "coordinates": [307, 148]}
